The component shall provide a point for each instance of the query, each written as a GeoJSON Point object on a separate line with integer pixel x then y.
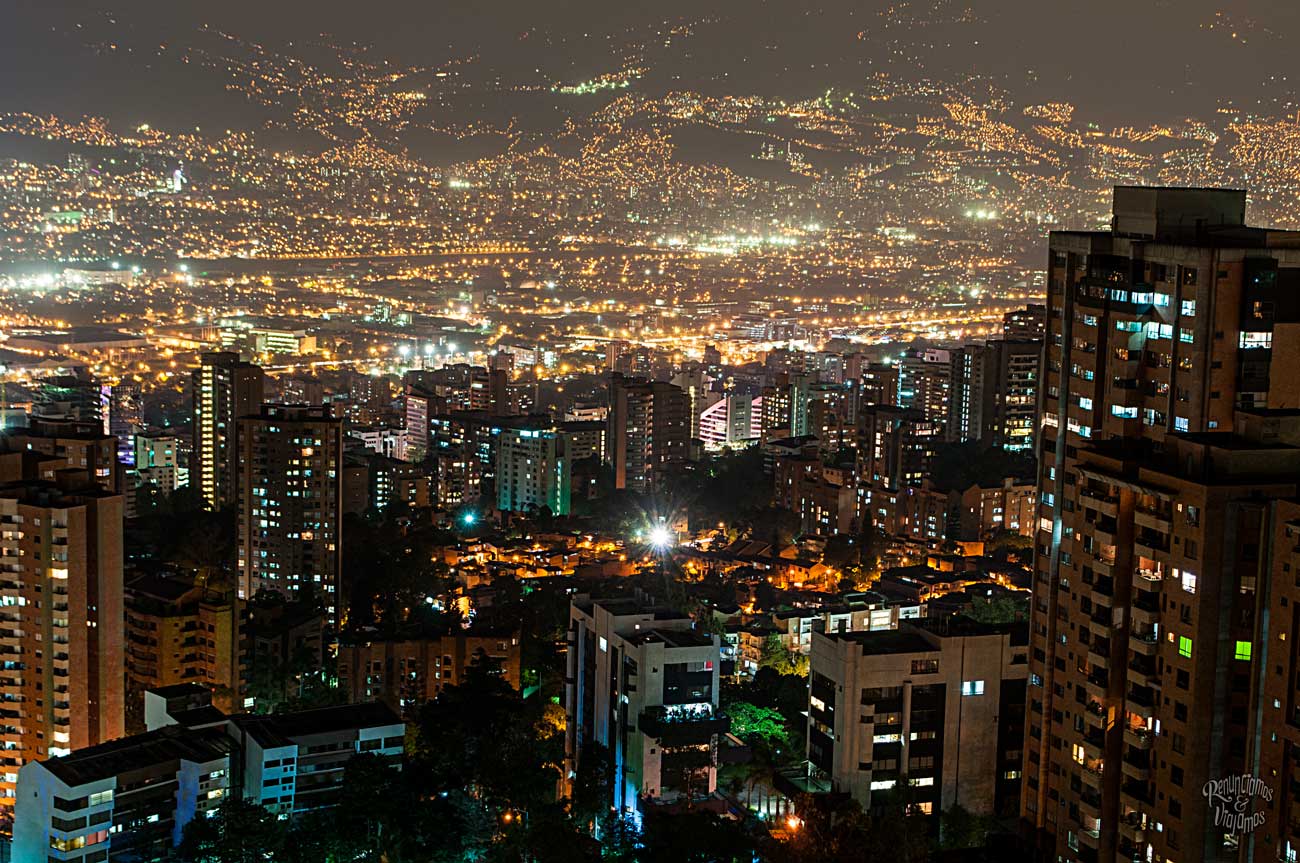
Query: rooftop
{"type": "Point", "coordinates": [286, 729]}
{"type": "Point", "coordinates": [135, 753]}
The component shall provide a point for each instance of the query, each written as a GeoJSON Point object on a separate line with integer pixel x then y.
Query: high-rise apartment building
{"type": "Point", "coordinates": [1025, 324]}
{"type": "Point", "coordinates": [76, 396]}
{"type": "Point", "coordinates": [404, 673]}
{"type": "Point", "coordinates": [534, 470]}
{"type": "Point", "coordinates": [649, 431]}
{"type": "Point", "coordinates": [123, 416]}
{"type": "Point", "coordinates": [696, 383]}
{"type": "Point", "coordinates": [644, 684]}
{"type": "Point", "coordinates": [896, 446]}
{"type": "Point", "coordinates": [61, 632]}
{"type": "Point", "coordinates": [1169, 346]}
{"type": "Point", "coordinates": [925, 384]}
{"type": "Point", "coordinates": [938, 706]}
{"type": "Point", "coordinates": [832, 416]}
{"type": "Point", "coordinates": [61, 444]}
{"type": "Point", "coordinates": [995, 393]}
{"type": "Point", "coordinates": [160, 461]}
{"type": "Point", "coordinates": [785, 405]}
{"type": "Point", "coordinates": [290, 503]}
{"type": "Point", "coordinates": [734, 420]}
{"type": "Point", "coordinates": [223, 390]}
{"type": "Point", "coordinates": [178, 631]}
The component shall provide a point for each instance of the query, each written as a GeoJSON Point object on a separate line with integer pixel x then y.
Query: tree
{"type": "Point", "coordinates": [1001, 609]}
{"type": "Point", "coordinates": [960, 828]}
{"type": "Point", "coordinates": [240, 832]}
{"type": "Point", "coordinates": [481, 735]}
{"type": "Point", "coordinates": [829, 828]}
{"type": "Point", "coordinates": [593, 786]}
{"type": "Point", "coordinates": [750, 722]}
{"type": "Point", "coordinates": [687, 837]}
{"type": "Point", "coordinates": [776, 656]}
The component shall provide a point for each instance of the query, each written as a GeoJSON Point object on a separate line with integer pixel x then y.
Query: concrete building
{"type": "Point", "coordinates": [290, 503]}
{"type": "Point", "coordinates": [76, 397]}
{"type": "Point", "coordinates": [178, 631]}
{"type": "Point", "coordinates": [649, 431]}
{"type": "Point", "coordinates": [895, 446]}
{"type": "Point", "coordinates": [160, 461]}
{"type": "Point", "coordinates": [925, 384]}
{"type": "Point", "coordinates": [534, 470]}
{"type": "Point", "coordinates": [61, 631]}
{"type": "Point", "coordinates": [1029, 323]}
{"type": "Point", "coordinates": [371, 480]}
{"type": "Point", "coordinates": [785, 405]}
{"type": "Point", "coordinates": [130, 799]}
{"type": "Point", "coordinates": [825, 497]}
{"type": "Point", "coordinates": [995, 394]}
{"type": "Point", "coordinates": [223, 389]}
{"type": "Point", "coordinates": [644, 684]}
{"type": "Point", "coordinates": [938, 705]}
{"type": "Point", "coordinates": [65, 444]}
{"type": "Point", "coordinates": [733, 421]}
{"type": "Point", "coordinates": [1153, 490]}
{"type": "Point", "coordinates": [405, 673]}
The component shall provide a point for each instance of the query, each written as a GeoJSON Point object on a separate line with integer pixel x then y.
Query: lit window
{"type": "Point", "coordinates": [1184, 646]}
{"type": "Point", "coordinates": [972, 687]}
{"type": "Point", "coordinates": [1243, 651]}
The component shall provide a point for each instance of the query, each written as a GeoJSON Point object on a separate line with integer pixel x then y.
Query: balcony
{"type": "Point", "coordinates": [1143, 642]}
{"type": "Point", "coordinates": [1093, 743]}
{"type": "Point", "coordinates": [1140, 704]}
{"type": "Point", "coordinates": [1138, 792]}
{"type": "Point", "coordinates": [1139, 769]}
{"type": "Point", "coordinates": [1146, 608]}
{"type": "Point", "coordinates": [1157, 522]}
{"type": "Point", "coordinates": [1097, 684]}
{"type": "Point", "coordinates": [680, 727]}
{"type": "Point", "coordinates": [1132, 829]}
{"type": "Point", "coordinates": [1151, 544]}
{"type": "Point", "coordinates": [1143, 672]}
{"type": "Point", "coordinates": [1151, 577]}
{"type": "Point", "coordinates": [1090, 804]}
{"type": "Point", "coordinates": [1104, 503]}
{"type": "Point", "coordinates": [1138, 738]}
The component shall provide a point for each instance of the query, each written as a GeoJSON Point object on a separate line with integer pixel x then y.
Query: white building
{"type": "Point", "coordinates": [131, 798]}
{"type": "Point", "coordinates": [644, 684]}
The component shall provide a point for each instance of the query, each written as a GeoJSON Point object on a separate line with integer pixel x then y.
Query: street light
{"type": "Point", "coordinates": [661, 538]}
{"type": "Point", "coordinates": [468, 519]}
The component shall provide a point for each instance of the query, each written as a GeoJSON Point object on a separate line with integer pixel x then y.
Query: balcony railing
{"type": "Point", "coordinates": [682, 726]}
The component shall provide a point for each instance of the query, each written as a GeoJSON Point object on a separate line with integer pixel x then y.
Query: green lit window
{"type": "Point", "coordinates": [1184, 646]}
{"type": "Point", "coordinates": [1243, 651]}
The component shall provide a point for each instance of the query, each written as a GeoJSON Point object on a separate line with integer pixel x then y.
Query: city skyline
{"type": "Point", "coordinates": [730, 432]}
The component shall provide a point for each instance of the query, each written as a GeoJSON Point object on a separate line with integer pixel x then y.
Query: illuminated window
{"type": "Point", "coordinates": [1184, 646]}
{"type": "Point", "coordinates": [1243, 651]}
